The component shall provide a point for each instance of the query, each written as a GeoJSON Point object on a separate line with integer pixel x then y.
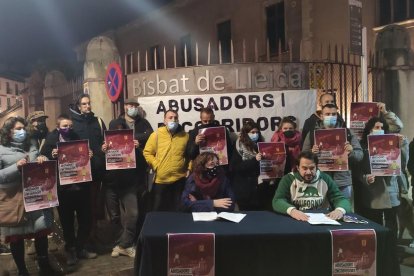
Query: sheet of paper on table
{"type": "Point", "coordinates": [319, 218]}
{"type": "Point", "coordinates": [210, 216]}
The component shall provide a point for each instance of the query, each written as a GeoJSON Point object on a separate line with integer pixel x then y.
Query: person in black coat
{"type": "Point", "coordinates": [74, 199]}
{"type": "Point", "coordinates": [124, 188]}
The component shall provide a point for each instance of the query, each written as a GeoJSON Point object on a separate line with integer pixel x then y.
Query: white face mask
{"type": "Point", "coordinates": [132, 111]}
{"type": "Point", "coordinates": [254, 136]}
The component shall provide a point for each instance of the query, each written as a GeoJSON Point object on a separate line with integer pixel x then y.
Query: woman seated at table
{"type": "Point", "coordinates": [207, 189]}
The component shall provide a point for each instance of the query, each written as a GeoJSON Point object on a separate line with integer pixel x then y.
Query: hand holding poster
{"type": "Point", "coordinates": [354, 252]}
{"type": "Point", "coordinates": [332, 154]}
{"type": "Point", "coordinates": [121, 149]}
{"type": "Point", "coordinates": [215, 141]}
{"type": "Point", "coordinates": [360, 114]}
{"type": "Point", "coordinates": [74, 163]}
{"type": "Point", "coordinates": [273, 160]}
{"type": "Point", "coordinates": [39, 185]}
{"type": "Point", "coordinates": [384, 154]}
{"type": "Point", "coordinates": [191, 254]}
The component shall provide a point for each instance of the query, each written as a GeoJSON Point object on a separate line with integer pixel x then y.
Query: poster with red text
{"type": "Point", "coordinates": [215, 141]}
{"type": "Point", "coordinates": [121, 149]}
{"type": "Point", "coordinates": [39, 185]}
{"type": "Point", "coordinates": [384, 154]}
{"type": "Point", "coordinates": [360, 114]}
{"type": "Point", "coordinates": [191, 254]}
{"type": "Point", "coordinates": [73, 162]}
{"type": "Point", "coordinates": [332, 154]}
{"type": "Point", "coordinates": [273, 162]}
{"type": "Point", "coordinates": [354, 252]}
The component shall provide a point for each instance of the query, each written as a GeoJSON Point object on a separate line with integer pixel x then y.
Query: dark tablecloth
{"type": "Point", "coordinates": [263, 243]}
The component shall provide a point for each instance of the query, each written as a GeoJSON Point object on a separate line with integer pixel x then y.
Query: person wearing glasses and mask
{"type": "Point", "coordinates": [89, 127]}
{"type": "Point", "coordinates": [165, 153]}
{"type": "Point", "coordinates": [207, 188]}
{"type": "Point", "coordinates": [127, 186]}
{"type": "Point", "coordinates": [37, 128]}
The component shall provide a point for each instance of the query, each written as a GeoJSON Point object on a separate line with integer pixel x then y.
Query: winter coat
{"type": "Point", "coordinates": [91, 128]}
{"type": "Point", "coordinates": [165, 153]}
{"type": "Point", "coordinates": [11, 177]}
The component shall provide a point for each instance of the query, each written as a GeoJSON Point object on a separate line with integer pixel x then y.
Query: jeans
{"type": "Point", "coordinates": [124, 198]}
{"type": "Point", "coordinates": [346, 191]}
{"type": "Point", "coordinates": [167, 197]}
{"type": "Point", "coordinates": [71, 202]}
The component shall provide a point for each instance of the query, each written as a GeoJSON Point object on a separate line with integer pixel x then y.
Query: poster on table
{"type": "Point", "coordinates": [360, 114]}
{"type": "Point", "coordinates": [39, 185]}
{"type": "Point", "coordinates": [191, 254]}
{"type": "Point", "coordinates": [273, 162]}
{"type": "Point", "coordinates": [384, 154]}
{"type": "Point", "coordinates": [121, 149]}
{"type": "Point", "coordinates": [215, 141]}
{"type": "Point", "coordinates": [74, 162]}
{"type": "Point", "coordinates": [354, 252]}
{"type": "Point", "coordinates": [332, 154]}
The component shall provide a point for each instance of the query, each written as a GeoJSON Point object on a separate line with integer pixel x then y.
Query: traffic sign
{"type": "Point", "coordinates": [113, 81]}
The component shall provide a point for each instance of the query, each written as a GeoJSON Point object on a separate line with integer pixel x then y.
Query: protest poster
{"type": "Point", "coordinates": [361, 112]}
{"type": "Point", "coordinates": [384, 154]}
{"type": "Point", "coordinates": [191, 254]}
{"type": "Point", "coordinates": [354, 252]}
{"type": "Point", "coordinates": [39, 185]}
{"type": "Point", "coordinates": [73, 162]}
{"type": "Point", "coordinates": [215, 141]}
{"type": "Point", "coordinates": [332, 154]}
{"type": "Point", "coordinates": [121, 149]}
{"type": "Point", "coordinates": [273, 162]}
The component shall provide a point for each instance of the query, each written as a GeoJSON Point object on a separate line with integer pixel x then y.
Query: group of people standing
{"type": "Point", "coordinates": [185, 179]}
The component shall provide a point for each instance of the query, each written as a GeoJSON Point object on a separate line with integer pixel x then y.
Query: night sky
{"type": "Point", "coordinates": [35, 30]}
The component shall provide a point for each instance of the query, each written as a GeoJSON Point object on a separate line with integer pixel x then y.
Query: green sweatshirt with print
{"type": "Point", "coordinates": [321, 193]}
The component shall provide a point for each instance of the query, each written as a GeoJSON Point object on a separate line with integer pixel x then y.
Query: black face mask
{"type": "Point", "coordinates": [41, 130]}
{"type": "Point", "coordinates": [289, 133]}
{"type": "Point", "coordinates": [211, 172]}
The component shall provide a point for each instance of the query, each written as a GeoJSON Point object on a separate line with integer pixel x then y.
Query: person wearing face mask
{"type": "Point", "coordinates": [127, 186]}
{"type": "Point", "coordinates": [16, 150]}
{"type": "Point", "coordinates": [207, 119]}
{"type": "Point", "coordinates": [165, 153]}
{"type": "Point", "coordinates": [37, 128]}
{"type": "Point", "coordinates": [207, 188]}
{"type": "Point", "coordinates": [377, 197]}
{"type": "Point", "coordinates": [288, 134]}
{"type": "Point", "coordinates": [310, 123]}
{"type": "Point", "coordinates": [245, 168]}
{"type": "Point", "coordinates": [309, 189]}
{"type": "Point", "coordinates": [73, 199]}
{"type": "Point", "coordinates": [329, 120]}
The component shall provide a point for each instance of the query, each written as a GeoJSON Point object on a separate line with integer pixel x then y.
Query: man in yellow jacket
{"type": "Point", "coordinates": [165, 153]}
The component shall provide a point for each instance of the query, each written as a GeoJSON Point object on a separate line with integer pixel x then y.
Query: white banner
{"type": "Point", "coordinates": [265, 108]}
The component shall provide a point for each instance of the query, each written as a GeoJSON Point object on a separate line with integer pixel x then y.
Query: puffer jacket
{"type": "Point", "coordinates": [165, 153]}
{"type": "Point", "coordinates": [10, 177]}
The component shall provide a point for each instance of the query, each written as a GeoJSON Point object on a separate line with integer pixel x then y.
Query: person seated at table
{"type": "Point", "coordinates": [309, 189]}
{"type": "Point", "coordinates": [207, 188]}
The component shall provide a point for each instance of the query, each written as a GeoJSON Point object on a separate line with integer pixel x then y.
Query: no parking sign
{"type": "Point", "coordinates": [113, 81]}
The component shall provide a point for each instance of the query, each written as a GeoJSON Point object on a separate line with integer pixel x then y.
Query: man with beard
{"type": "Point", "coordinates": [37, 127]}
{"type": "Point", "coordinates": [207, 119]}
{"type": "Point", "coordinates": [309, 189]}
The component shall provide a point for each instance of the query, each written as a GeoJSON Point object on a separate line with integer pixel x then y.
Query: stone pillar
{"type": "Point", "coordinates": [100, 52]}
{"type": "Point", "coordinates": [55, 88]}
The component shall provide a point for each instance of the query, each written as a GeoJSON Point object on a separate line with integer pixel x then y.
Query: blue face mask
{"type": "Point", "coordinates": [329, 121]}
{"type": "Point", "coordinates": [377, 132]}
{"type": "Point", "coordinates": [19, 135]}
{"type": "Point", "coordinates": [132, 112]}
{"type": "Point", "coordinates": [172, 126]}
{"type": "Point", "coordinates": [254, 136]}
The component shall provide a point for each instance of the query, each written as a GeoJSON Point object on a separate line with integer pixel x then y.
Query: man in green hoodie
{"type": "Point", "coordinates": [309, 189]}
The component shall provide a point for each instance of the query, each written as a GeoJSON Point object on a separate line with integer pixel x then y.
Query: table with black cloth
{"type": "Point", "coordinates": [263, 243]}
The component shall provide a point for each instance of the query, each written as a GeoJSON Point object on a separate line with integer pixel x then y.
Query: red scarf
{"type": "Point", "coordinates": [208, 187]}
{"type": "Point", "coordinates": [293, 145]}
